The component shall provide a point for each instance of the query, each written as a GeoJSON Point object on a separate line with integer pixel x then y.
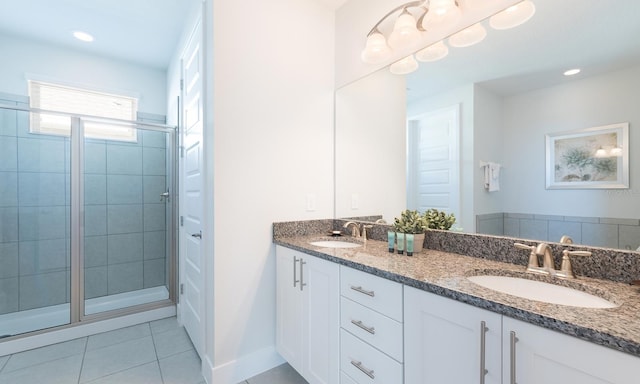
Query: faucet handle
{"type": "Point", "coordinates": [525, 246]}
{"type": "Point", "coordinates": [533, 264]}
{"type": "Point", "coordinates": [566, 270]}
{"type": "Point", "coordinates": [364, 231]}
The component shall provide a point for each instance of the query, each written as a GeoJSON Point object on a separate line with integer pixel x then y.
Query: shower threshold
{"type": "Point", "coordinates": [16, 323]}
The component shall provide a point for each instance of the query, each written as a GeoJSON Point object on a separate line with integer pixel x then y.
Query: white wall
{"type": "Point", "coordinates": [272, 146]}
{"type": "Point", "coordinates": [488, 147]}
{"type": "Point", "coordinates": [22, 58]}
{"type": "Point", "coordinates": [371, 137]}
{"type": "Point", "coordinates": [589, 102]}
{"type": "Point", "coordinates": [465, 97]}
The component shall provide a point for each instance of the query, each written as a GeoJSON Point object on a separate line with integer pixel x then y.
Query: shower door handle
{"type": "Point", "coordinates": [197, 235]}
{"type": "Point", "coordinates": [164, 196]}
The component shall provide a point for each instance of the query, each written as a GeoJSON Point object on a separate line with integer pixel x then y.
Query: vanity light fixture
{"type": "Point", "coordinates": [616, 151]}
{"type": "Point", "coordinates": [83, 36]}
{"type": "Point", "coordinates": [417, 18]}
{"type": "Point", "coordinates": [404, 66]}
{"type": "Point", "coordinates": [572, 72]}
{"type": "Point", "coordinates": [513, 16]}
{"type": "Point", "coordinates": [601, 152]}
{"type": "Point", "coordinates": [469, 36]}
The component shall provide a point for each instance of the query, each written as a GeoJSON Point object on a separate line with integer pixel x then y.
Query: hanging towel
{"type": "Point", "coordinates": [492, 177]}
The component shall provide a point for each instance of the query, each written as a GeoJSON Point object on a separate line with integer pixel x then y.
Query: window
{"type": "Point", "coordinates": [54, 97]}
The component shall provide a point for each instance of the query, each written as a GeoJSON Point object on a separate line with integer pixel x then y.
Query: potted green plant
{"type": "Point", "coordinates": [412, 222]}
{"type": "Point", "coordinates": [435, 219]}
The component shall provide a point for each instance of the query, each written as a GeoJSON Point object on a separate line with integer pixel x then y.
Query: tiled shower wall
{"type": "Point", "coordinates": [125, 230]}
{"type": "Point", "coordinates": [594, 231]}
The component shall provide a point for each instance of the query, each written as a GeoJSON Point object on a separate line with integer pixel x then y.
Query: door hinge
{"type": "Point", "coordinates": [181, 152]}
{"type": "Point", "coordinates": [182, 84]}
{"type": "Point", "coordinates": [182, 289]}
{"type": "Point", "coordinates": [182, 221]}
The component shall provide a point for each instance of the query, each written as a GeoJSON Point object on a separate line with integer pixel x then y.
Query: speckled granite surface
{"type": "Point", "coordinates": [444, 273]}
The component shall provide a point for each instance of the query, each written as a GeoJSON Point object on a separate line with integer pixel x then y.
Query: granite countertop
{"type": "Point", "coordinates": [445, 274]}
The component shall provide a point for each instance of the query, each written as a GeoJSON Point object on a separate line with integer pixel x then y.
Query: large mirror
{"type": "Point", "coordinates": [494, 103]}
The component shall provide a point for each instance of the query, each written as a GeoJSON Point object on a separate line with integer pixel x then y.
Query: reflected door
{"type": "Point", "coordinates": [434, 164]}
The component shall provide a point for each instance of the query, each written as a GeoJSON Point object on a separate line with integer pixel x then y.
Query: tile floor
{"type": "Point", "coordinates": [158, 352]}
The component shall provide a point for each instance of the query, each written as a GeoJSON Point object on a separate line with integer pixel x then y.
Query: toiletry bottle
{"type": "Point", "coordinates": [391, 237]}
{"type": "Point", "coordinates": [400, 244]}
{"type": "Point", "coordinates": [409, 238]}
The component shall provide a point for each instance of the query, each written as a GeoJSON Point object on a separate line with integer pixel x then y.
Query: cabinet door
{"type": "Point", "coordinates": [289, 307]}
{"type": "Point", "coordinates": [444, 341]}
{"type": "Point", "coordinates": [549, 357]}
{"type": "Point", "coordinates": [321, 324]}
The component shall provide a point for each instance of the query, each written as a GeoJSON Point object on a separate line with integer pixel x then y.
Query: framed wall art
{"type": "Point", "coordinates": [592, 158]}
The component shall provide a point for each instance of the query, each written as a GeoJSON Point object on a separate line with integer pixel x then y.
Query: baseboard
{"type": "Point", "coordinates": [241, 369]}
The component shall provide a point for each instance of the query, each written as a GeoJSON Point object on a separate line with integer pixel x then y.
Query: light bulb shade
{"type": "Point", "coordinates": [441, 12]}
{"type": "Point", "coordinates": [376, 50]}
{"type": "Point", "coordinates": [433, 52]}
{"type": "Point", "coordinates": [513, 16]}
{"type": "Point", "coordinates": [601, 152]}
{"type": "Point", "coordinates": [616, 151]}
{"type": "Point", "coordinates": [405, 32]}
{"type": "Point", "coordinates": [468, 36]}
{"type": "Point", "coordinates": [404, 66]}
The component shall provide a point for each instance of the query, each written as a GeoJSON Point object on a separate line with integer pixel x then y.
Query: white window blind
{"type": "Point", "coordinates": [54, 97]}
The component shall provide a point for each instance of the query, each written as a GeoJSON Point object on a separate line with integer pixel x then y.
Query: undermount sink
{"type": "Point", "coordinates": [334, 244]}
{"type": "Point", "coordinates": [541, 291]}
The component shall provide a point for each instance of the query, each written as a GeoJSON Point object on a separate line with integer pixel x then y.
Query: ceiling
{"type": "Point", "coordinates": [594, 35]}
{"type": "Point", "coordinates": [145, 32]}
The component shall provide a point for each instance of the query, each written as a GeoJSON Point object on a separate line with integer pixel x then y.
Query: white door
{"type": "Point", "coordinates": [533, 355]}
{"type": "Point", "coordinates": [448, 342]}
{"type": "Point", "coordinates": [321, 323]}
{"type": "Point", "coordinates": [434, 164]}
{"type": "Point", "coordinates": [289, 307]}
{"type": "Point", "coordinates": [191, 263]}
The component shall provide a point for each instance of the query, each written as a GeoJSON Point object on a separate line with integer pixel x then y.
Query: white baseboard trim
{"type": "Point", "coordinates": [53, 337]}
{"type": "Point", "coordinates": [236, 371]}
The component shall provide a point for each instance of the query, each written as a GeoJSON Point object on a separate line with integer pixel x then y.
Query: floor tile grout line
{"type": "Point", "coordinates": [84, 354]}
{"type": "Point", "coordinates": [117, 372]}
{"type": "Point", "coordinates": [155, 350]}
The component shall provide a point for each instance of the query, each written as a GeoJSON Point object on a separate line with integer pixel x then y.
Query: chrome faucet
{"type": "Point", "coordinates": [355, 231]}
{"type": "Point", "coordinates": [364, 231]}
{"type": "Point", "coordinates": [566, 240]}
{"type": "Point", "coordinates": [548, 268]}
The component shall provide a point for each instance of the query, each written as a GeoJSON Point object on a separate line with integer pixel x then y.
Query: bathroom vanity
{"type": "Point", "coordinates": [363, 315]}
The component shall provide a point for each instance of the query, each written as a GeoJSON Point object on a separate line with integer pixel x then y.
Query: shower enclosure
{"type": "Point", "coordinates": [86, 220]}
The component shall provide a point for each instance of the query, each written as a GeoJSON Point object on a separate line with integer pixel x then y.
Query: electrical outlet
{"type": "Point", "coordinates": [311, 202]}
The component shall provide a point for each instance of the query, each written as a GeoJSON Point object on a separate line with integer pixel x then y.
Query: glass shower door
{"type": "Point", "coordinates": [35, 287]}
{"type": "Point", "coordinates": [127, 220]}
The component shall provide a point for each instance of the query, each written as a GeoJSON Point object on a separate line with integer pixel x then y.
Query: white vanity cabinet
{"type": "Point", "coordinates": [534, 355]}
{"type": "Point", "coordinates": [372, 329]}
{"type": "Point", "coordinates": [308, 315]}
{"type": "Point", "coordinates": [446, 341]}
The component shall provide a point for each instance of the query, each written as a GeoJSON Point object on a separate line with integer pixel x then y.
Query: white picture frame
{"type": "Point", "coordinates": [591, 158]}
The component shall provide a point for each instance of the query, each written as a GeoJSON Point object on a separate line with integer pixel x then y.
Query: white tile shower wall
{"type": "Point", "coordinates": [595, 231]}
{"type": "Point", "coordinates": [125, 221]}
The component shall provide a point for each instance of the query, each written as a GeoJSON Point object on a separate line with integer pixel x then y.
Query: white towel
{"type": "Point", "coordinates": [492, 177]}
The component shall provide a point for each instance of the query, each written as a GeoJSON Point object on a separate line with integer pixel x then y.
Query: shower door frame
{"type": "Point", "coordinates": [76, 238]}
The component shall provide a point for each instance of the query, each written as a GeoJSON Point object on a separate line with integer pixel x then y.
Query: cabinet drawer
{"type": "Point", "coordinates": [365, 364]}
{"type": "Point", "coordinates": [381, 295]}
{"type": "Point", "coordinates": [376, 329]}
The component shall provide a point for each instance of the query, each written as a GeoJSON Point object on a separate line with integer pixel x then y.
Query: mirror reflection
{"type": "Point", "coordinates": [418, 141]}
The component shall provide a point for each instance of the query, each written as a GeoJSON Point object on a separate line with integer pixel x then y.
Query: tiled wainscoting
{"type": "Point", "coordinates": [594, 231]}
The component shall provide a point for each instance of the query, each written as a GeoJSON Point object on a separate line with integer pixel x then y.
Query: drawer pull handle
{"type": "Point", "coordinates": [483, 350]}
{"type": "Point", "coordinates": [359, 324]}
{"type": "Point", "coordinates": [363, 291]}
{"type": "Point", "coordinates": [363, 369]}
{"type": "Point", "coordinates": [512, 357]}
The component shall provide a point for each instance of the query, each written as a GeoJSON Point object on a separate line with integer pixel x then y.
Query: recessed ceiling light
{"type": "Point", "coordinates": [572, 72]}
{"type": "Point", "coordinates": [83, 36]}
